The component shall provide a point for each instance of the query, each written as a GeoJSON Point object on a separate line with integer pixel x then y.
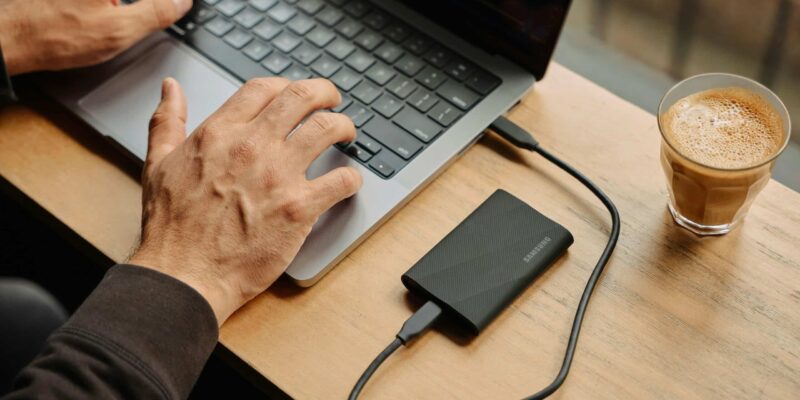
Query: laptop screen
{"type": "Point", "coordinates": [524, 31]}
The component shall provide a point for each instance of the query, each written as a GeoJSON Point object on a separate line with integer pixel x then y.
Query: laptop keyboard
{"type": "Point", "coordinates": [401, 88]}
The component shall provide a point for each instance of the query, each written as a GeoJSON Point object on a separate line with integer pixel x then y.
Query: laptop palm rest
{"type": "Point", "coordinates": [124, 103]}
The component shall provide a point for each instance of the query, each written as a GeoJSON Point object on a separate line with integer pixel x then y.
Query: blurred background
{"type": "Point", "coordinates": [639, 48]}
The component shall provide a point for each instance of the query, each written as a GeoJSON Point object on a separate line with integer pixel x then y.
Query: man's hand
{"type": "Point", "coordinates": [227, 209]}
{"type": "Point", "coordinates": [39, 35]}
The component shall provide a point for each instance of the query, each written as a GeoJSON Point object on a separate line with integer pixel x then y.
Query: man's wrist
{"type": "Point", "coordinates": [213, 291]}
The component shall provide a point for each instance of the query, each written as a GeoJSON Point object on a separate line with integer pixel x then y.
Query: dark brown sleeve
{"type": "Point", "coordinates": [140, 335]}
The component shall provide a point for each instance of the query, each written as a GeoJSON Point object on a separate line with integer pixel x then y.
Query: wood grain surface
{"type": "Point", "coordinates": [675, 316]}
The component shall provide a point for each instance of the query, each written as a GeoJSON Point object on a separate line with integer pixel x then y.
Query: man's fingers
{"type": "Point", "coordinates": [168, 124]}
{"type": "Point", "coordinates": [333, 187]}
{"type": "Point", "coordinates": [146, 16]}
{"type": "Point", "coordinates": [318, 133]}
{"type": "Point", "coordinates": [251, 98]}
{"type": "Point", "coordinates": [296, 101]}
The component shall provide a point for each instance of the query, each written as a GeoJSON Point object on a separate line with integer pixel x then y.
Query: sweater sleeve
{"type": "Point", "coordinates": [140, 335]}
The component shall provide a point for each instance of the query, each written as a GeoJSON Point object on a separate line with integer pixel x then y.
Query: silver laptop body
{"type": "Point", "coordinates": [117, 99]}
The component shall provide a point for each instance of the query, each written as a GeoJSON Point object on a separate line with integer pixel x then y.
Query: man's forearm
{"type": "Point", "coordinates": [140, 334]}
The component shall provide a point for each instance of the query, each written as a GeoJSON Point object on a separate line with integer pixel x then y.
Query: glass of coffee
{"type": "Point", "coordinates": [721, 134]}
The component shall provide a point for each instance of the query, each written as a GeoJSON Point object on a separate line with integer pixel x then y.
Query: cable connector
{"type": "Point", "coordinates": [419, 323]}
{"type": "Point", "coordinates": [416, 325]}
{"type": "Point", "coordinates": [514, 134]}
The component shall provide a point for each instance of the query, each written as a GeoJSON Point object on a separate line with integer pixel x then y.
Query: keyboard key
{"type": "Point", "coordinates": [438, 56]}
{"type": "Point", "coordinates": [276, 63]}
{"type": "Point", "coordinates": [444, 114]}
{"type": "Point", "coordinates": [229, 8]}
{"type": "Point", "coordinates": [202, 14]}
{"type": "Point", "coordinates": [320, 36]}
{"type": "Point", "coordinates": [423, 100]}
{"type": "Point", "coordinates": [397, 32]}
{"type": "Point", "coordinates": [296, 73]}
{"type": "Point", "coordinates": [389, 52]}
{"type": "Point", "coordinates": [482, 82]}
{"type": "Point", "coordinates": [310, 7]}
{"type": "Point", "coordinates": [387, 105]}
{"type": "Point", "coordinates": [359, 153]}
{"type": "Point", "coordinates": [198, 14]}
{"type": "Point", "coordinates": [401, 87]}
{"type": "Point", "coordinates": [306, 53]}
{"type": "Point", "coordinates": [358, 113]}
{"type": "Point", "coordinates": [459, 69]}
{"type": "Point", "coordinates": [325, 66]}
{"type": "Point", "coordinates": [346, 79]}
{"type": "Point", "coordinates": [301, 24]}
{"type": "Point", "coordinates": [238, 38]}
{"type": "Point", "coordinates": [376, 20]}
{"type": "Point", "coordinates": [366, 92]}
{"type": "Point", "coordinates": [431, 78]}
{"type": "Point", "coordinates": [215, 49]}
{"type": "Point", "coordinates": [248, 18]}
{"type": "Point", "coordinates": [282, 13]}
{"type": "Point", "coordinates": [458, 94]}
{"type": "Point", "coordinates": [380, 73]}
{"type": "Point", "coordinates": [368, 144]}
{"type": "Point", "coordinates": [342, 145]}
{"type": "Point", "coordinates": [346, 101]}
{"type": "Point", "coordinates": [340, 48]}
{"type": "Point", "coordinates": [381, 167]}
{"type": "Point", "coordinates": [267, 30]}
{"type": "Point", "coordinates": [338, 2]}
{"type": "Point", "coordinates": [409, 65]}
{"type": "Point", "coordinates": [360, 61]}
{"type": "Point", "coordinates": [349, 28]}
{"type": "Point", "coordinates": [357, 8]}
{"type": "Point", "coordinates": [262, 5]}
{"type": "Point", "coordinates": [369, 40]}
{"type": "Point", "coordinates": [418, 125]}
{"type": "Point", "coordinates": [211, 2]}
{"type": "Point", "coordinates": [219, 26]}
{"type": "Point", "coordinates": [185, 24]}
{"type": "Point", "coordinates": [391, 136]}
{"type": "Point", "coordinates": [256, 50]}
{"type": "Point", "coordinates": [286, 42]}
{"type": "Point", "coordinates": [417, 44]}
{"type": "Point", "coordinates": [330, 16]}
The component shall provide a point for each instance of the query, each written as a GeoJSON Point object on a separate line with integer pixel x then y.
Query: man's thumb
{"type": "Point", "coordinates": [168, 124]}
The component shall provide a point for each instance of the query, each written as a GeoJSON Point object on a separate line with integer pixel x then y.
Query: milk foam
{"type": "Point", "coordinates": [724, 128]}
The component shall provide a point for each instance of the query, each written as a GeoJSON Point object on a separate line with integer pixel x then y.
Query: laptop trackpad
{"type": "Point", "coordinates": [124, 103]}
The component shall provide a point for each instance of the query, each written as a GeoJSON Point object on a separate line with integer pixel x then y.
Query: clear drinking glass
{"type": "Point", "coordinates": [709, 200]}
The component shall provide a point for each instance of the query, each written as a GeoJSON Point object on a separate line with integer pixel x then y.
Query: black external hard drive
{"type": "Point", "coordinates": [488, 260]}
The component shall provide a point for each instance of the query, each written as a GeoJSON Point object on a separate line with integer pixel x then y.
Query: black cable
{"type": "Point", "coordinates": [425, 316]}
{"type": "Point", "coordinates": [396, 343]}
{"type": "Point", "coordinates": [516, 135]}
{"type": "Point", "coordinates": [415, 326]}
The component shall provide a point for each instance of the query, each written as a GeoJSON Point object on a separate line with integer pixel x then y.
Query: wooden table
{"type": "Point", "coordinates": [675, 316]}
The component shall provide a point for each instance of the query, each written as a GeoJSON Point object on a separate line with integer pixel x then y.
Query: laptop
{"type": "Point", "coordinates": [421, 80]}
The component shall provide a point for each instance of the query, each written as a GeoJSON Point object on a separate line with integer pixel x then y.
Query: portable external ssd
{"type": "Point", "coordinates": [488, 260]}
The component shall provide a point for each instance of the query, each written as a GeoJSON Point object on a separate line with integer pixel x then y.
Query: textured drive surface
{"type": "Point", "coordinates": [488, 260]}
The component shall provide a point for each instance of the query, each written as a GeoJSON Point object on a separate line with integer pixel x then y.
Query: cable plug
{"type": "Point", "coordinates": [419, 323]}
